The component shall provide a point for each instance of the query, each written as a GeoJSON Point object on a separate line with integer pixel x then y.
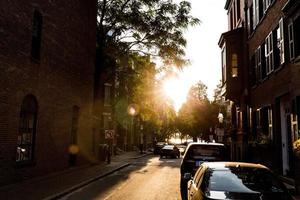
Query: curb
{"type": "Point", "coordinates": [84, 183]}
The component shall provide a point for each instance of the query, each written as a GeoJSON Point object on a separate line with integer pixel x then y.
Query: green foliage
{"type": "Point", "coordinates": [148, 27]}
{"type": "Point", "coordinates": [129, 34]}
{"type": "Point", "coordinates": [198, 114]}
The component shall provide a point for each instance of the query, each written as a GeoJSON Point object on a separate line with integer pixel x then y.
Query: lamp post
{"type": "Point", "coordinates": [220, 129]}
{"type": "Point", "coordinates": [132, 111]}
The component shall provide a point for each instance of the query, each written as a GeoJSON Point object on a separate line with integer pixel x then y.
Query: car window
{"type": "Point", "coordinates": [170, 147]}
{"type": "Point", "coordinates": [250, 180]}
{"type": "Point", "coordinates": [200, 151]}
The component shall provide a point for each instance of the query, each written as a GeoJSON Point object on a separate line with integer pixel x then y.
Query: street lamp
{"type": "Point", "coordinates": [220, 117]}
{"type": "Point", "coordinates": [132, 110]}
{"type": "Point", "coordinates": [220, 128]}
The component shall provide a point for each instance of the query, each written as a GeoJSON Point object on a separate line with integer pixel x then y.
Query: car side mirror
{"type": "Point", "coordinates": [187, 176]}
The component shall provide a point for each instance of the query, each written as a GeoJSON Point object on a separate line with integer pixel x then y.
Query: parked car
{"type": "Point", "coordinates": [195, 154]}
{"type": "Point", "coordinates": [170, 150]}
{"type": "Point", "coordinates": [235, 180]}
{"type": "Point", "coordinates": [158, 147]}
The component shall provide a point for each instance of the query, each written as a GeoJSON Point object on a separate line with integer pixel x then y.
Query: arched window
{"type": "Point", "coordinates": [27, 129]}
{"type": "Point", "coordinates": [36, 35]}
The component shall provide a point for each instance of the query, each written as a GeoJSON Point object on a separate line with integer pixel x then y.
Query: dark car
{"type": "Point", "coordinates": [170, 151]}
{"type": "Point", "coordinates": [195, 154]}
{"type": "Point", "coordinates": [158, 147]}
{"type": "Point", "coordinates": [234, 180]}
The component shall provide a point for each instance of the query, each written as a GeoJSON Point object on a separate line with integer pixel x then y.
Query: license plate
{"type": "Point", "coordinates": [198, 163]}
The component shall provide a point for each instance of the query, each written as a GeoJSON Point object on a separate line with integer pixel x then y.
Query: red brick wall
{"type": "Point", "coordinates": [62, 78]}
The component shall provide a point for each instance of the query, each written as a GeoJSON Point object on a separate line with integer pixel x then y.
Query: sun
{"type": "Point", "coordinates": [175, 89]}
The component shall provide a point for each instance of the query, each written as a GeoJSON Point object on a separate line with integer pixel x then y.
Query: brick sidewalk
{"type": "Point", "coordinates": [58, 184]}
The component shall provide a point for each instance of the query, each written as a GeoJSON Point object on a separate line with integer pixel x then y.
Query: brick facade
{"type": "Point", "coordinates": [61, 79]}
{"type": "Point", "coordinates": [271, 106]}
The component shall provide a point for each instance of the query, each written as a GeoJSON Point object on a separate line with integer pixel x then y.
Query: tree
{"type": "Point", "coordinates": [130, 34]}
{"type": "Point", "coordinates": [198, 115]}
{"type": "Point", "coordinates": [148, 27]}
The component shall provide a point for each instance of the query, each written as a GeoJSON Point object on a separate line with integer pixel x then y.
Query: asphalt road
{"type": "Point", "coordinates": [149, 178]}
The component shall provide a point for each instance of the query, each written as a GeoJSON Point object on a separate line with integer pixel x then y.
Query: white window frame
{"type": "Point", "coordinates": [291, 41]}
{"type": "Point", "coordinates": [280, 43]}
{"type": "Point", "coordinates": [266, 5]}
{"type": "Point", "coordinates": [269, 53]}
{"type": "Point", "coordinates": [255, 12]}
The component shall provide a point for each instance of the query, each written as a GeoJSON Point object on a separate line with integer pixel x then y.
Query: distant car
{"type": "Point", "coordinates": [234, 180]}
{"type": "Point", "coordinates": [195, 154]}
{"type": "Point", "coordinates": [170, 151]}
{"type": "Point", "coordinates": [158, 147]}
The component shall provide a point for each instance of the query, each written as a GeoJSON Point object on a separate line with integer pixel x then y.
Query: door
{"type": "Point", "coordinates": [284, 113]}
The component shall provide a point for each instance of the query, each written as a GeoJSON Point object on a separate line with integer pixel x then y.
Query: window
{"type": "Point", "coordinates": [297, 39]}
{"type": "Point", "coordinates": [294, 42]}
{"type": "Point", "coordinates": [27, 129]}
{"type": "Point", "coordinates": [250, 19]}
{"type": "Point", "coordinates": [231, 19]}
{"type": "Point", "coordinates": [234, 65]}
{"type": "Point", "coordinates": [250, 118]}
{"type": "Point", "coordinates": [107, 95]}
{"type": "Point", "coordinates": [224, 64]}
{"type": "Point", "coordinates": [239, 119]}
{"type": "Point", "coordinates": [266, 4]}
{"type": "Point", "coordinates": [74, 128]}
{"type": "Point", "coordinates": [258, 66]}
{"type": "Point", "coordinates": [256, 16]}
{"type": "Point", "coordinates": [279, 44]}
{"type": "Point", "coordinates": [269, 54]}
{"type": "Point", "coordinates": [291, 41]}
{"type": "Point", "coordinates": [238, 7]}
{"type": "Point", "coordinates": [258, 120]}
{"type": "Point", "coordinates": [270, 123]}
{"type": "Point", "coordinates": [36, 35]}
{"type": "Point", "coordinates": [242, 180]}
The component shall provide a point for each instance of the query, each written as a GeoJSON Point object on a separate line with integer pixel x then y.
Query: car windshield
{"type": "Point", "coordinates": [169, 147]}
{"type": "Point", "coordinates": [199, 151]}
{"type": "Point", "coordinates": [242, 180]}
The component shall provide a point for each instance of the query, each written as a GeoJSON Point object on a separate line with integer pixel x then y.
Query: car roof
{"type": "Point", "coordinates": [205, 143]}
{"type": "Point", "coordinates": [224, 165]}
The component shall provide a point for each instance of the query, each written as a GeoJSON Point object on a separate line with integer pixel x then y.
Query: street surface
{"type": "Point", "coordinates": [150, 178]}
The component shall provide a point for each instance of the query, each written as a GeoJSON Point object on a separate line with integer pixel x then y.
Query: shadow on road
{"type": "Point", "coordinates": [104, 187]}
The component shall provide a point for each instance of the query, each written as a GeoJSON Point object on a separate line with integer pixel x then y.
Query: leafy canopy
{"type": "Point", "coordinates": [148, 27]}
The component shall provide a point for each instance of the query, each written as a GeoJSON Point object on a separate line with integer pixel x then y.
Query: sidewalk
{"type": "Point", "coordinates": [58, 184]}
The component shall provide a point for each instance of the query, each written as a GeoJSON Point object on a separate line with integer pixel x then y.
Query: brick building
{"type": "Point", "coordinates": [47, 56]}
{"type": "Point", "coordinates": [261, 63]}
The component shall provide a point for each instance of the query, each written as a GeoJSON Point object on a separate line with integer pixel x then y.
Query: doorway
{"type": "Point", "coordinates": [285, 122]}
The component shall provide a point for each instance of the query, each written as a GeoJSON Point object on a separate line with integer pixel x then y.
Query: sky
{"type": "Point", "coordinates": [202, 50]}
